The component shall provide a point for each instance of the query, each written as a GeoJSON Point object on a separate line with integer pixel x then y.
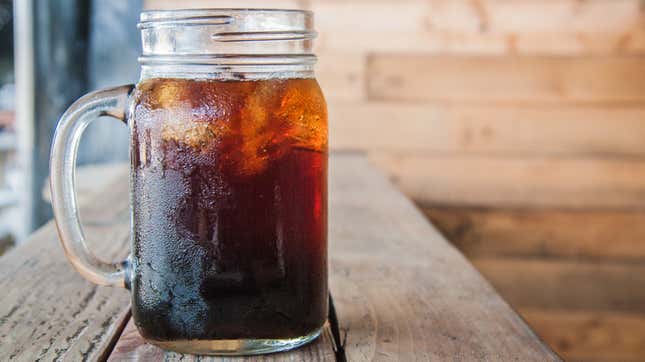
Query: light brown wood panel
{"type": "Point", "coordinates": [515, 130]}
{"type": "Point", "coordinates": [465, 180]}
{"type": "Point", "coordinates": [480, 27]}
{"type": "Point", "coordinates": [560, 16]}
{"type": "Point", "coordinates": [596, 235]}
{"type": "Point", "coordinates": [356, 42]}
{"type": "Point", "coordinates": [590, 336]}
{"type": "Point", "coordinates": [433, 42]}
{"type": "Point", "coordinates": [132, 347]}
{"type": "Point", "coordinates": [603, 80]}
{"type": "Point", "coordinates": [47, 310]}
{"type": "Point", "coordinates": [359, 27]}
{"type": "Point", "coordinates": [631, 42]}
{"type": "Point", "coordinates": [342, 76]}
{"type": "Point", "coordinates": [570, 285]}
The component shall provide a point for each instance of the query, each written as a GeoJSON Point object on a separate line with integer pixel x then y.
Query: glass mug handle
{"type": "Point", "coordinates": [111, 102]}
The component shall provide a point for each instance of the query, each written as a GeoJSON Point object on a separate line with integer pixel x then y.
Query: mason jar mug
{"type": "Point", "coordinates": [228, 182]}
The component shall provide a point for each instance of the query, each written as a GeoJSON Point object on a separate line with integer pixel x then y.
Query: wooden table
{"type": "Point", "coordinates": [400, 291]}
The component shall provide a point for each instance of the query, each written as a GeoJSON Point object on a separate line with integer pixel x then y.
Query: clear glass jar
{"type": "Point", "coordinates": [228, 182]}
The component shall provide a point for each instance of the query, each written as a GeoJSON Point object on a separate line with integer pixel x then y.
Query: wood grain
{"type": "Point", "coordinates": [480, 27]}
{"type": "Point", "coordinates": [468, 180]}
{"type": "Point", "coordinates": [492, 130]}
{"type": "Point", "coordinates": [48, 312]}
{"type": "Point", "coordinates": [398, 284]}
{"type": "Point", "coordinates": [563, 284]}
{"type": "Point", "coordinates": [603, 80]}
{"type": "Point", "coordinates": [342, 76]}
{"type": "Point", "coordinates": [560, 16]}
{"type": "Point", "coordinates": [132, 347]}
{"type": "Point", "coordinates": [590, 335]}
{"type": "Point", "coordinates": [581, 235]}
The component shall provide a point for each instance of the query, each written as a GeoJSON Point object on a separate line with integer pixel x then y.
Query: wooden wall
{"type": "Point", "coordinates": [519, 127]}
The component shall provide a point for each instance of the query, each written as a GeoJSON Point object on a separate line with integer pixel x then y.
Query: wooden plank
{"type": "Point", "coordinates": [595, 16]}
{"type": "Point", "coordinates": [132, 347]}
{"type": "Point", "coordinates": [480, 27]}
{"type": "Point", "coordinates": [342, 76]}
{"type": "Point", "coordinates": [401, 292]}
{"type": "Point", "coordinates": [605, 80]}
{"type": "Point", "coordinates": [570, 285]}
{"type": "Point", "coordinates": [590, 235]}
{"type": "Point", "coordinates": [465, 180]}
{"type": "Point", "coordinates": [630, 42]}
{"type": "Point", "coordinates": [494, 16]}
{"type": "Point", "coordinates": [589, 335]}
{"type": "Point", "coordinates": [48, 312]}
{"type": "Point", "coordinates": [458, 43]}
{"type": "Point", "coordinates": [462, 128]}
{"type": "Point", "coordinates": [333, 41]}
{"type": "Point", "coordinates": [389, 26]}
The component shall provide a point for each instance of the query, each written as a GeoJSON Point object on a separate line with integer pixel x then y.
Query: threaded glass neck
{"type": "Point", "coordinates": [234, 44]}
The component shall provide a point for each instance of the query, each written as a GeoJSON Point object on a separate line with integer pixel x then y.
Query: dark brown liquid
{"type": "Point", "coordinates": [230, 209]}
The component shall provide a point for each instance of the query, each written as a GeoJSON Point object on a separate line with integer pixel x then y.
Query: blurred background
{"type": "Point", "coordinates": [517, 126]}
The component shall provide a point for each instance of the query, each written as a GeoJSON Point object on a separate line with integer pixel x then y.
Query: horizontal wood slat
{"type": "Point", "coordinates": [499, 130]}
{"type": "Point", "coordinates": [603, 80]}
{"type": "Point", "coordinates": [590, 335]}
{"type": "Point", "coordinates": [480, 27]}
{"type": "Point", "coordinates": [517, 181]}
{"type": "Point", "coordinates": [342, 76]}
{"type": "Point", "coordinates": [591, 235]}
{"type": "Point", "coordinates": [571, 285]}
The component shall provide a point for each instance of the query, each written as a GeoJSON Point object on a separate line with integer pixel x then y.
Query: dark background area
{"type": "Point", "coordinates": [6, 42]}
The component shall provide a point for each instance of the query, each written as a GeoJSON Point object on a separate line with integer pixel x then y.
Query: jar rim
{"type": "Point", "coordinates": [155, 15]}
{"type": "Point", "coordinates": [228, 40]}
